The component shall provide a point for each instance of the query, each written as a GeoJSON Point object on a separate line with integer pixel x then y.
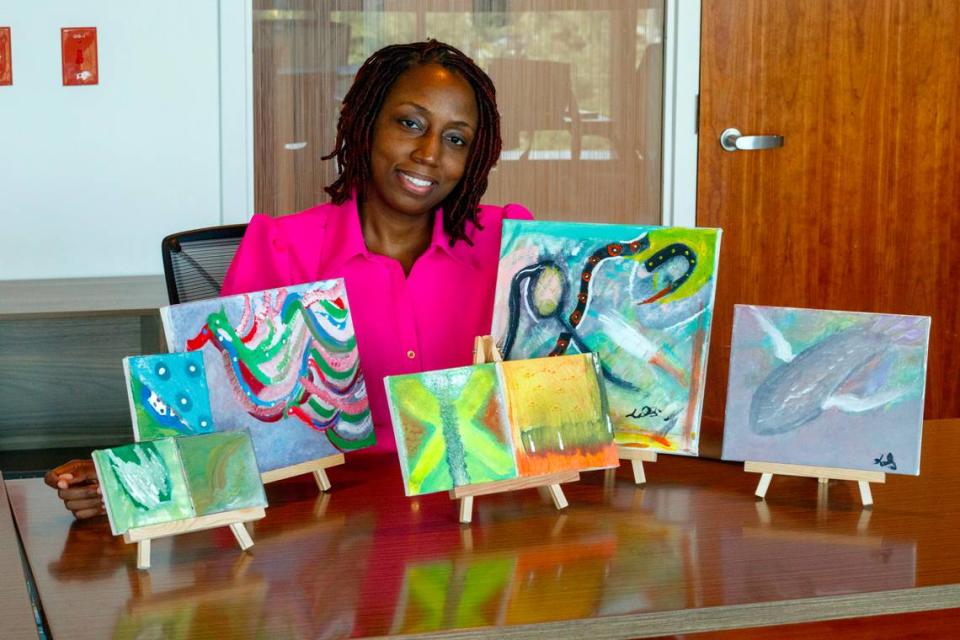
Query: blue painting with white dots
{"type": "Point", "coordinates": [168, 395]}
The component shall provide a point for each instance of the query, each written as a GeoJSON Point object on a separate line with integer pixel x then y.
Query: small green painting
{"type": "Point", "coordinates": [221, 472]}
{"type": "Point", "coordinates": [143, 484]}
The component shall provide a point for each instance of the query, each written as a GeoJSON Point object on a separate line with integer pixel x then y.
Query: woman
{"type": "Point", "coordinates": [417, 136]}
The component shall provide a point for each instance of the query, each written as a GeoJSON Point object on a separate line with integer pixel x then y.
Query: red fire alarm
{"type": "Point", "coordinates": [6, 65]}
{"type": "Point", "coordinates": [79, 46]}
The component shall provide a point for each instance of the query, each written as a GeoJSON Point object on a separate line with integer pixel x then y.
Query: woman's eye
{"type": "Point", "coordinates": [457, 140]}
{"type": "Point", "coordinates": [409, 124]}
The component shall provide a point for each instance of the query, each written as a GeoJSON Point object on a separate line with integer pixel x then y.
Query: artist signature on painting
{"type": "Point", "coordinates": [886, 461]}
{"type": "Point", "coordinates": [644, 412]}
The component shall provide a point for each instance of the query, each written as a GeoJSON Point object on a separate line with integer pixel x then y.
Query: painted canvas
{"type": "Point", "coordinates": [168, 395]}
{"type": "Point", "coordinates": [282, 363]}
{"type": "Point", "coordinates": [451, 428]}
{"type": "Point", "coordinates": [826, 388]}
{"type": "Point", "coordinates": [143, 484]}
{"type": "Point", "coordinates": [221, 472]}
{"type": "Point", "coordinates": [558, 414]}
{"type": "Point", "coordinates": [640, 297]}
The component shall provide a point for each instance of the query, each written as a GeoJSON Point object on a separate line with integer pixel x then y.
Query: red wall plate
{"type": "Point", "coordinates": [6, 64]}
{"type": "Point", "coordinates": [79, 46]}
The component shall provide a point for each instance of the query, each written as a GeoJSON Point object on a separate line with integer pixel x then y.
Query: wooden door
{"type": "Point", "coordinates": [860, 210]}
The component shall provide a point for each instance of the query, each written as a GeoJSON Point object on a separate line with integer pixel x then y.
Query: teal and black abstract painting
{"type": "Point", "coordinates": [451, 427]}
{"type": "Point", "coordinates": [168, 395]}
{"type": "Point", "coordinates": [640, 297]}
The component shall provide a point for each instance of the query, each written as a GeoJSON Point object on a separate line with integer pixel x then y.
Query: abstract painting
{"type": "Point", "coordinates": [500, 420]}
{"type": "Point", "coordinates": [221, 472]}
{"type": "Point", "coordinates": [282, 363]}
{"type": "Point", "coordinates": [143, 484]}
{"type": "Point", "coordinates": [168, 395]}
{"type": "Point", "coordinates": [640, 297]}
{"type": "Point", "coordinates": [826, 388]}
{"type": "Point", "coordinates": [558, 414]}
{"type": "Point", "coordinates": [451, 428]}
{"type": "Point", "coordinates": [170, 479]}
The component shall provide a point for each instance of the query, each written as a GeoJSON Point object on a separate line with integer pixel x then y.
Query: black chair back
{"type": "Point", "coordinates": [195, 262]}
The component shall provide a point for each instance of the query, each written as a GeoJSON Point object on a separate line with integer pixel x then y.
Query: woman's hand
{"type": "Point", "coordinates": [77, 485]}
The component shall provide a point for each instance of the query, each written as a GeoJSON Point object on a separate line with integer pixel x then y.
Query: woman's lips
{"type": "Point", "coordinates": [416, 184]}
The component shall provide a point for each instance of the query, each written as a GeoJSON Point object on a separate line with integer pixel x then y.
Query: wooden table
{"type": "Point", "coordinates": [693, 551]}
{"type": "Point", "coordinates": [16, 611]}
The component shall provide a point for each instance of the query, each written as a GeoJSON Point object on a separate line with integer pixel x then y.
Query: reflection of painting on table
{"type": "Point", "coordinates": [170, 479]}
{"type": "Point", "coordinates": [826, 388]}
{"type": "Point", "coordinates": [558, 413]}
{"type": "Point", "coordinates": [221, 472]}
{"type": "Point", "coordinates": [641, 297]}
{"type": "Point", "coordinates": [497, 421]}
{"type": "Point", "coordinates": [143, 484]}
{"type": "Point", "coordinates": [451, 428]}
{"type": "Point", "coordinates": [282, 363]}
{"type": "Point", "coordinates": [168, 395]}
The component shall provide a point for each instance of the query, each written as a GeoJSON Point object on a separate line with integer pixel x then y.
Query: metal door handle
{"type": "Point", "coordinates": [731, 140]}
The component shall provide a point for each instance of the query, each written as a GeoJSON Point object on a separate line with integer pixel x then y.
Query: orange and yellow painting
{"type": "Point", "coordinates": [558, 414]}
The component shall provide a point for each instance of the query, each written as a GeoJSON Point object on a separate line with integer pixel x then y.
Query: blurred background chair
{"type": "Point", "coordinates": [195, 261]}
{"type": "Point", "coordinates": [535, 95]}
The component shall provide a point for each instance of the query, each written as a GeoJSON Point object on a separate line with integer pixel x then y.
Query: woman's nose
{"type": "Point", "coordinates": [427, 148]}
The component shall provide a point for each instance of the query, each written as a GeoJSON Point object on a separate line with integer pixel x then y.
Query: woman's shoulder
{"type": "Point", "coordinates": [490, 219]}
{"type": "Point", "coordinates": [293, 224]}
{"type": "Point", "coordinates": [513, 211]}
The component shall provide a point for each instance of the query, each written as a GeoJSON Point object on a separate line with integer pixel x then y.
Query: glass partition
{"type": "Point", "coordinates": [579, 84]}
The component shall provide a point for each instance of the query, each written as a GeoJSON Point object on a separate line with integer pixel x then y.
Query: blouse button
{"type": "Point", "coordinates": [411, 354]}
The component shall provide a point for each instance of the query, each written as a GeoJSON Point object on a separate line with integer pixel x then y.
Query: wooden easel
{"type": "Point", "coordinates": [637, 457]}
{"type": "Point", "coordinates": [822, 474]}
{"type": "Point", "coordinates": [317, 467]}
{"type": "Point", "coordinates": [484, 350]}
{"type": "Point", "coordinates": [233, 519]}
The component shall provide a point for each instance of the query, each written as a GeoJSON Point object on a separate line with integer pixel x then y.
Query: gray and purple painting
{"type": "Point", "coordinates": [826, 388]}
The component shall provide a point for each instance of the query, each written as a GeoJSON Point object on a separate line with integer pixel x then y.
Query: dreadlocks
{"type": "Point", "coordinates": [362, 104]}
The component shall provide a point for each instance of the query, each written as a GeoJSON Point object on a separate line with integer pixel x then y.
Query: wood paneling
{"type": "Point", "coordinates": [859, 209]}
{"type": "Point", "coordinates": [692, 551]}
{"type": "Point", "coordinates": [16, 611]}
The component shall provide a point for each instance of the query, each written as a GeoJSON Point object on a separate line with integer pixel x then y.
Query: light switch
{"type": "Point", "coordinates": [6, 64]}
{"type": "Point", "coordinates": [79, 47]}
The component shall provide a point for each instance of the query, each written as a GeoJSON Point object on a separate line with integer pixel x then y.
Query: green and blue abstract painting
{"type": "Point", "coordinates": [168, 395]}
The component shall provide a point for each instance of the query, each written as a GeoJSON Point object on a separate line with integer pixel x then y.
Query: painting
{"type": "Point", "coordinates": [143, 484]}
{"type": "Point", "coordinates": [826, 388]}
{"type": "Point", "coordinates": [283, 364]}
{"type": "Point", "coordinates": [500, 420]}
{"type": "Point", "coordinates": [168, 395]}
{"type": "Point", "coordinates": [221, 472]}
{"type": "Point", "coordinates": [558, 415]}
{"type": "Point", "coordinates": [641, 297]}
{"type": "Point", "coordinates": [451, 428]}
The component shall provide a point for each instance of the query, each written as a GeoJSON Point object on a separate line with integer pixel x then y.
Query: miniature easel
{"type": "Point", "coordinates": [316, 467]}
{"type": "Point", "coordinates": [484, 350]}
{"type": "Point", "coordinates": [233, 519]}
{"type": "Point", "coordinates": [637, 457]}
{"type": "Point", "coordinates": [822, 474]}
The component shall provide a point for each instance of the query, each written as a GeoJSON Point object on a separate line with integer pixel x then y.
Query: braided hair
{"type": "Point", "coordinates": [362, 105]}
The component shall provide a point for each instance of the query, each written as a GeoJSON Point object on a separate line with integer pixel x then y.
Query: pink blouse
{"type": "Point", "coordinates": [404, 324]}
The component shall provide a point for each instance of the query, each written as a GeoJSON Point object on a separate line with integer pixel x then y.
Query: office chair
{"type": "Point", "coordinates": [195, 261]}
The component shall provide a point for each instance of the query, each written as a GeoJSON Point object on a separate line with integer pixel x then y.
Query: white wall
{"type": "Point", "coordinates": [91, 178]}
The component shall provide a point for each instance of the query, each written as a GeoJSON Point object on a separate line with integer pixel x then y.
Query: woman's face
{"type": "Point", "coordinates": [421, 141]}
